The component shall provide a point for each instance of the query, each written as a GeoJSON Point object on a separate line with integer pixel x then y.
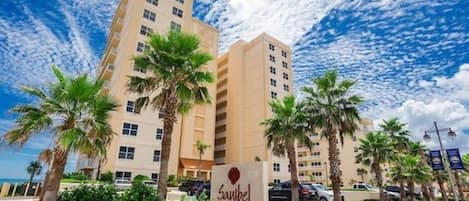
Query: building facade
{"type": "Point", "coordinates": [313, 166]}
{"type": "Point", "coordinates": [136, 147]}
{"type": "Point", "coordinates": [249, 76]}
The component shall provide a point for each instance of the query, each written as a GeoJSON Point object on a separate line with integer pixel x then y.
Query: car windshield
{"type": "Point", "coordinates": [319, 186]}
{"type": "Point", "coordinates": [368, 186]}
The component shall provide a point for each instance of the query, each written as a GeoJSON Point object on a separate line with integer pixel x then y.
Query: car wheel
{"type": "Point", "coordinates": [322, 199]}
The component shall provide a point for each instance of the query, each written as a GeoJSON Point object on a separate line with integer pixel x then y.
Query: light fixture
{"type": "Point", "coordinates": [427, 137]}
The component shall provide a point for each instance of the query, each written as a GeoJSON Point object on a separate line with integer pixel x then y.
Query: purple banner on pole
{"type": "Point", "coordinates": [437, 162]}
{"type": "Point", "coordinates": [455, 159]}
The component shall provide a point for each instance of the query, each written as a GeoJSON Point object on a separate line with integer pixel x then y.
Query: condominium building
{"type": "Point", "coordinates": [249, 76]}
{"type": "Point", "coordinates": [136, 147]}
{"type": "Point", "coordinates": [313, 166]}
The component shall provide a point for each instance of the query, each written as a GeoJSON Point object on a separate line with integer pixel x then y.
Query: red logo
{"type": "Point", "coordinates": [233, 175]}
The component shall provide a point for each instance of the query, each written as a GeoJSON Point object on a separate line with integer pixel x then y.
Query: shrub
{"type": "Point", "coordinates": [201, 197]}
{"type": "Point", "coordinates": [140, 178]}
{"type": "Point", "coordinates": [75, 176]}
{"type": "Point", "coordinates": [107, 177]}
{"type": "Point", "coordinates": [140, 192]}
{"type": "Point", "coordinates": [173, 181]}
{"type": "Point", "coordinates": [89, 193]}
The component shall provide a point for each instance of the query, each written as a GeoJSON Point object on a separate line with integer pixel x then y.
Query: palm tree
{"type": "Point", "coordinates": [333, 109]}
{"type": "Point", "coordinates": [414, 172]}
{"type": "Point", "coordinates": [201, 147]}
{"type": "Point", "coordinates": [397, 132]}
{"type": "Point", "coordinates": [76, 114]}
{"type": "Point", "coordinates": [418, 149]}
{"type": "Point", "coordinates": [176, 81]}
{"type": "Point", "coordinates": [441, 177]}
{"type": "Point", "coordinates": [362, 172]}
{"type": "Point", "coordinates": [376, 149]}
{"type": "Point", "coordinates": [396, 174]}
{"type": "Point", "coordinates": [34, 168]}
{"type": "Point", "coordinates": [286, 128]}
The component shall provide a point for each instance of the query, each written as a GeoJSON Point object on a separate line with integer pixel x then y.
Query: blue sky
{"type": "Point", "coordinates": [410, 57]}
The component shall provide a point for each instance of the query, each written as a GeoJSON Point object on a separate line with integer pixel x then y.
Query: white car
{"type": "Point", "coordinates": [364, 186]}
{"type": "Point", "coordinates": [323, 193]}
{"type": "Point", "coordinates": [122, 184]}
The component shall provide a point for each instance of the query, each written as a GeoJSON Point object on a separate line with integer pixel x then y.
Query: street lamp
{"type": "Point", "coordinates": [451, 134]}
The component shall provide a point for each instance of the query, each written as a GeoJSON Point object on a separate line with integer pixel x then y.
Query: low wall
{"type": "Point", "coordinates": [359, 195]}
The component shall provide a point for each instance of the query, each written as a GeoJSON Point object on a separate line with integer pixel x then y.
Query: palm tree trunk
{"type": "Point", "coordinates": [459, 184]}
{"type": "Point", "coordinates": [334, 165]}
{"type": "Point", "coordinates": [442, 189]}
{"type": "Point", "coordinates": [55, 175]}
{"type": "Point", "coordinates": [43, 190]}
{"type": "Point", "coordinates": [411, 190]}
{"type": "Point", "coordinates": [379, 180]}
{"type": "Point", "coordinates": [31, 177]}
{"type": "Point", "coordinates": [199, 173]}
{"type": "Point", "coordinates": [362, 177]}
{"type": "Point", "coordinates": [426, 192]}
{"type": "Point", "coordinates": [169, 120]}
{"type": "Point", "coordinates": [402, 190]}
{"type": "Point", "coordinates": [293, 172]}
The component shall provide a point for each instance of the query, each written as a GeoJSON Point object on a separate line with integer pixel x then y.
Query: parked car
{"type": "Point", "coordinates": [151, 183]}
{"type": "Point", "coordinates": [201, 188]}
{"type": "Point", "coordinates": [188, 185]}
{"type": "Point", "coordinates": [282, 192]}
{"type": "Point", "coordinates": [122, 184]}
{"type": "Point", "coordinates": [394, 192]}
{"type": "Point", "coordinates": [364, 186]}
{"type": "Point", "coordinates": [322, 192]}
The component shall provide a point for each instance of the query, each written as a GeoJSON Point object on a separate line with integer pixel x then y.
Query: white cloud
{"type": "Point", "coordinates": [457, 85]}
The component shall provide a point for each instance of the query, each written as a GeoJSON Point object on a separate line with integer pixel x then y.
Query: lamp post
{"type": "Point", "coordinates": [451, 133]}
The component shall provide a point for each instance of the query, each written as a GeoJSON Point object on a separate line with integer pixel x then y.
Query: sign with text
{"type": "Point", "coordinates": [239, 182]}
{"type": "Point", "coordinates": [437, 162]}
{"type": "Point", "coordinates": [454, 158]}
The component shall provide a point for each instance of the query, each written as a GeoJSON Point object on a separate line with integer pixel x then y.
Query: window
{"type": "Point", "coordinates": [285, 76]}
{"type": "Point", "coordinates": [142, 46]}
{"type": "Point", "coordinates": [276, 167]}
{"type": "Point", "coordinates": [130, 129]}
{"type": "Point", "coordinates": [149, 15]}
{"type": "Point", "coordinates": [126, 152]}
{"type": "Point", "coordinates": [180, 1]}
{"type": "Point", "coordinates": [131, 107]}
{"type": "Point", "coordinates": [276, 181]}
{"type": "Point", "coordinates": [273, 70]}
{"type": "Point", "coordinates": [286, 87]}
{"type": "Point", "coordinates": [177, 12]}
{"type": "Point", "coordinates": [272, 58]}
{"type": "Point", "coordinates": [161, 114]}
{"type": "Point", "coordinates": [175, 26]}
{"type": "Point", "coordinates": [154, 2]}
{"type": "Point", "coordinates": [354, 138]}
{"type": "Point", "coordinates": [159, 133]}
{"type": "Point", "coordinates": [316, 164]}
{"type": "Point", "coordinates": [284, 54]}
{"type": "Point", "coordinates": [138, 69]}
{"type": "Point", "coordinates": [355, 149]}
{"type": "Point", "coordinates": [273, 82]}
{"type": "Point", "coordinates": [284, 64]}
{"type": "Point", "coordinates": [146, 31]}
{"type": "Point", "coordinates": [154, 177]}
{"type": "Point", "coordinates": [156, 155]}
{"type": "Point", "coordinates": [289, 168]}
{"type": "Point", "coordinates": [271, 47]}
{"type": "Point", "coordinates": [273, 94]}
{"type": "Point", "coordinates": [123, 175]}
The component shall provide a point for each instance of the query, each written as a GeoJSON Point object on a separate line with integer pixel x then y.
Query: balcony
{"type": "Point", "coordinates": [308, 158]}
{"type": "Point", "coordinates": [121, 10]}
{"type": "Point", "coordinates": [304, 167]}
{"type": "Point", "coordinates": [107, 72]}
{"type": "Point", "coordinates": [106, 88]}
{"type": "Point", "coordinates": [117, 25]}
{"type": "Point", "coordinates": [220, 135]}
{"type": "Point", "coordinates": [115, 39]}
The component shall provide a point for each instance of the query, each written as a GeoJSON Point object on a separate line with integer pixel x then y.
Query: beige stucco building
{"type": "Point", "coordinates": [136, 147]}
{"type": "Point", "coordinates": [249, 75]}
{"type": "Point", "coordinates": [316, 161]}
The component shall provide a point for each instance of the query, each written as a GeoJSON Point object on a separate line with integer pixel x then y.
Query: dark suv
{"type": "Point", "coordinates": [282, 192]}
{"type": "Point", "coordinates": [394, 192]}
{"type": "Point", "coordinates": [188, 186]}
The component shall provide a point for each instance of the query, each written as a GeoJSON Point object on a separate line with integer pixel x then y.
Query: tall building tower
{"type": "Point", "coordinates": [250, 75]}
{"type": "Point", "coordinates": [136, 147]}
{"type": "Point", "coordinates": [313, 166]}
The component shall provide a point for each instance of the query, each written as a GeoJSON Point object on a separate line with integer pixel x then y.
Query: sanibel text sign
{"type": "Point", "coordinates": [239, 182]}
